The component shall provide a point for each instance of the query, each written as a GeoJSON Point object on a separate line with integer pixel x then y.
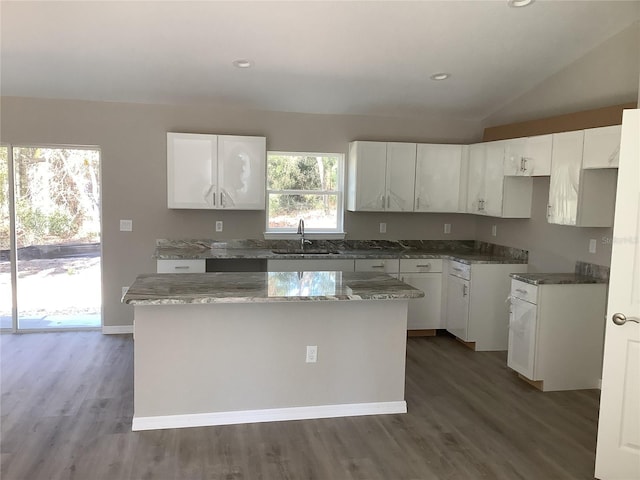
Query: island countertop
{"type": "Point", "coordinates": [261, 287]}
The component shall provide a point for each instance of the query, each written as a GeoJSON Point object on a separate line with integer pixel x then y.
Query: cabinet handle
{"type": "Point", "coordinates": [548, 210]}
{"type": "Point", "coordinates": [520, 290]}
{"type": "Point", "coordinates": [377, 266]}
{"type": "Point", "coordinates": [222, 204]}
{"type": "Point", "coordinates": [417, 203]}
{"type": "Point", "coordinates": [382, 198]}
{"type": "Point", "coordinates": [464, 290]}
{"type": "Point", "coordinates": [181, 267]}
{"type": "Point", "coordinates": [214, 199]}
{"type": "Point", "coordinates": [457, 269]}
{"type": "Point", "coordinates": [388, 201]}
{"type": "Point", "coordinates": [426, 265]}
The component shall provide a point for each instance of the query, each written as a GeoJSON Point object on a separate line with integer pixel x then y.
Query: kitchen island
{"type": "Point", "coordinates": [226, 348]}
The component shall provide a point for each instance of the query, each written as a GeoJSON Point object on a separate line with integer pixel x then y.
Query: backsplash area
{"type": "Point", "coordinates": [592, 270]}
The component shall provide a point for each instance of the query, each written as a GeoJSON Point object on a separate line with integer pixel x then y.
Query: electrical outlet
{"type": "Point", "coordinates": [312, 353]}
{"type": "Point", "coordinates": [447, 228]}
{"type": "Point", "coordinates": [383, 228]}
{"type": "Point", "coordinates": [219, 226]}
{"type": "Point", "coordinates": [494, 230]}
{"type": "Point", "coordinates": [126, 225]}
{"type": "Point", "coordinates": [592, 245]}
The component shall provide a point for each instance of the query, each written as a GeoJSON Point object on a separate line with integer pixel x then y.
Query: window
{"type": "Point", "coordinates": [304, 186]}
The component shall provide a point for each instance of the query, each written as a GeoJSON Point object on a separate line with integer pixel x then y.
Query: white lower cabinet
{"type": "Point", "coordinates": [476, 311]}
{"type": "Point", "coordinates": [426, 275]}
{"type": "Point", "coordinates": [308, 265]}
{"type": "Point", "coordinates": [181, 266]}
{"type": "Point", "coordinates": [388, 265]}
{"type": "Point", "coordinates": [556, 334]}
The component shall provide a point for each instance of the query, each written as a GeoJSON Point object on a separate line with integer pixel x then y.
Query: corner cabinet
{"type": "Point", "coordinates": [381, 176]}
{"type": "Point", "coordinates": [441, 178]}
{"type": "Point", "coordinates": [602, 147]}
{"type": "Point", "coordinates": [216, 171]}
{"type": "Point", "coordinates": [577, 196]}
{"type": "Point", "coordinates": [489, 192]}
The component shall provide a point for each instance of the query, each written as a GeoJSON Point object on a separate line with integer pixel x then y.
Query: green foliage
{"type": "Point", "coordinates": [32, 223]}
{"type": "Point", "coordinates": [63, 225]}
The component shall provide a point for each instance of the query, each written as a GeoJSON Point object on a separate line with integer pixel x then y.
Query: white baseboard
{"type": "Point", "coordinates": [267, 415]}
{"type": "Point", "coordinates": [116, 329]}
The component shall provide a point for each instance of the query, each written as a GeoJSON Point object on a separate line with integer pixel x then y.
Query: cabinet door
{"type": "Point", "coordinates": [566, 160]}
{"type": "Point", "coordinates": [191, 174]}
{"type": "Point", "coordinates": [181, 266]}
{"type": "Point", "coordinates": [602, 147]}
{"type": "Point", "coordinates": [522, 338]}
{"type": "Point", "coordinates": [438, 170]}
{"type": "Point", "coordinates": [381, 265]}
{"type": "Point", "coordinates": [400, 176]}
{"type": "Point", "coordinates": [493, 179]}
{"type": "Point", "coordinates": [514, 153]}
{"type": "Point", "coordinates": [458, 307]}
{"type": "Point", "coordinates": [241, 172]}
{"type": "Point", "coordinates": [537, 156]}
{"type": "Point", "coordinates": [367, 175]}
{"type": "Point", "coordinates": [475, 185]}
{"type": "Point", "coordinates": [424, 313]}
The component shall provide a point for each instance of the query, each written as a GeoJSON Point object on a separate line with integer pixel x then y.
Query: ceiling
{"type": "Point", "coordinates": [341, 57]}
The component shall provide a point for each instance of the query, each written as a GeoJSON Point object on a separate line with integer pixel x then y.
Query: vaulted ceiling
{"type": "Point", "coordinates": [342, 57]}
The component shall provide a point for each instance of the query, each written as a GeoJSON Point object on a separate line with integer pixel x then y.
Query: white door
{"type": "Point", "coordinates": [191, 170]}
{"type": "Point", "coordinates": [371, 158]}
{"type": "Point", "coordinates": [241, 172]}
{"type": "Point", "coordinates": [522, 337]}
{"type": "Point", "coordinates": [475, 190]}
{"type": "Point", "coordinates": [566, 161]}
{"type": "Point", "coordinates": [424, 312]}
{"type": "Point", "coordinates": [401, 174]}
{"type": "Point", "coordinates": [493, 179]}
{"type": "Point", "coordinates": [438, 170]}
{"type": "Point", "coordinates": [618, 448]}
{"type": "Point", "coordinates": [458, 307]}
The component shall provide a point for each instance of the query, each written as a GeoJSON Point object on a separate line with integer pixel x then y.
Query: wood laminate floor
{"type": "Point", "coordinates": [67, 403]}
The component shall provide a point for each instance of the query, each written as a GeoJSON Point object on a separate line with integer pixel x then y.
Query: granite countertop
{"type": "Point", "coordinates": [262, 287]}
{"type": "Point", "coordinates": [555, 278]}
{"type": "Point", "coordinates": [201, 253]}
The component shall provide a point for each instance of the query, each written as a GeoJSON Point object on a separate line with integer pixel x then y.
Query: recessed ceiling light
{"type": "Point", "coordinates": [519, 3]}
{"type": "Point", "coordinates": [242, 63]}
{"type": "Point", "coordinates": [440, 76]}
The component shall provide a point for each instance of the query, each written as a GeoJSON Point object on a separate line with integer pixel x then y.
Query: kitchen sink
{"type": "Point", "coordinates": [306, 251]}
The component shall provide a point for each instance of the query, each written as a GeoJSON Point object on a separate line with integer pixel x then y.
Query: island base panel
{"type": "Point", "coordinates": [246, 362]}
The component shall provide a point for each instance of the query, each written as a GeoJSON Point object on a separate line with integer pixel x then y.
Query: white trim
{"type": "Point", "coordinates": [267, 415]}
{"type": "Point", "coordinates": [116, 329]}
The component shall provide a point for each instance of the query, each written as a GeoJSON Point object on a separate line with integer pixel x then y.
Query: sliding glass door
{"type": "Point", "coordinates": [56, 199]}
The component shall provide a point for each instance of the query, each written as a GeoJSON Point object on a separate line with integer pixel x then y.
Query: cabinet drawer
{"type": "Point", "coordinates": [390, 265]}
{"type": "Point", "coordinates": [420, 265]}
{"type": "Point", "coordinates": [181, 266]}
{"type": "Point", "coordinates": [525, 291]}
{"type": "Point", "coordinates": [459, 269]}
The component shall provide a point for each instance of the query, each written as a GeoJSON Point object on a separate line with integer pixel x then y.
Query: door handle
{"type": "Point", "coordinates": [621, 319]}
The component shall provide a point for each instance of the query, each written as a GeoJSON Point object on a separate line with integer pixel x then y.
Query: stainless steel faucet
{"type": "Point", "coordinates": [301, 233]}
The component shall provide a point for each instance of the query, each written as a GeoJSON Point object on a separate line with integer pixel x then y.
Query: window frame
{"type": "Point", "coordinates": [318, 233]}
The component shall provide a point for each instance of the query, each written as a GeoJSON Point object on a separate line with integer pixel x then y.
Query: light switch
{"type": "Point", "coordinates": [494, 230]}
{"type": "Point", "coordinates": [447, 228]}
{"type": "Point", "coordinates": [383, 227]}
{"type": "Point", "coordinates": [592, 245]}
{"type": "Point", "coordinates": [219, 226]}
{"type": "Point", "coordinates": [126, 225]}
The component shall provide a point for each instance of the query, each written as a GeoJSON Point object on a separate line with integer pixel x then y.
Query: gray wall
{"type": "Point", "coordinates": [552, 248]}
{"type": "Point", "coordinates": [133, 142]}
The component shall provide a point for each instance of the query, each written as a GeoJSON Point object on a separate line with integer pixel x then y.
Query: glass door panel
{"type": "Point", "coordinates": [57, 202]}
{"type": "Point", "coordinates": [6, 304]}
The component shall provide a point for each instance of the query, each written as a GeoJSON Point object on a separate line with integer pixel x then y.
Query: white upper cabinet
{"type": "Point", "coordinates": [440, 178]}
{"type": "Point", "coordinates": [579, 197]}
{"type": "Point", "coordinates": [602, 147]}
{"type": "Point", "coordinates": [381, 176]}
{"type": "Point", "coordinates": [215, 172]}
{"type": "Point", "coordinates": [528, 156]}
{"type": "Point", "coordinates": [241, 172]}
{"type": "Point", "coordinates": [489, 192]}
